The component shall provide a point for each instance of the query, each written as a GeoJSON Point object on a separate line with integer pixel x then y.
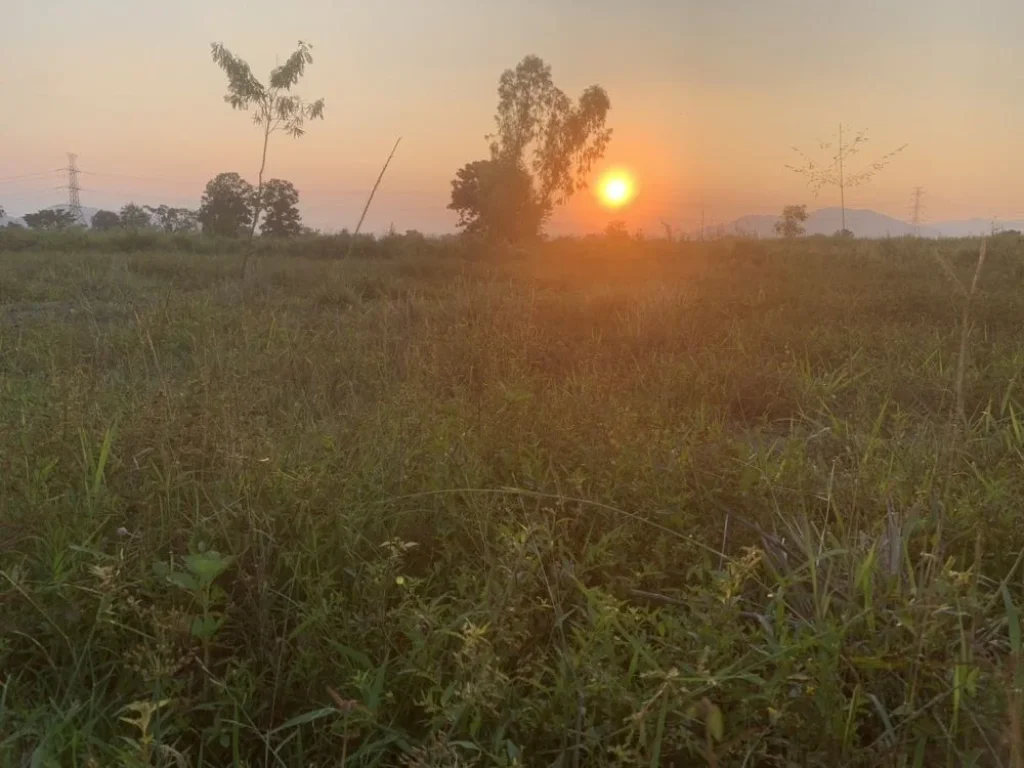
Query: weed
{"type": "Point", "coordinates": [597, 503]}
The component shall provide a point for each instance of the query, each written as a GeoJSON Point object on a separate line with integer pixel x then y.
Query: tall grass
{"type": "Point", "coordinates": [598, 503]}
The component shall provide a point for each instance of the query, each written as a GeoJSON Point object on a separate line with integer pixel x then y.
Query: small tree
{"type": "Point", "coordinates": [51, 219]}
{"type": "Point", "coordinates": [791, 223]}
{"type": "Point", "coordinates": [3, 213]}
{"type": "Point", "coordinates": [542, 137]}
{"type": "Point", "coordinates": [282, 218]}
{"type": "Point", "coordinates": [227, 206]}
{"type": "Point", "coordinates": [173, 220]}
{"type": "Point", "coordinates": [497, 200]}
{"type": "Point", "coordinates": [616, 230]}
{"type": "Point", "coordinates": [134, 217]}
{"type": "Point", "coordinates": [104, 221]}
{"type": "Point", "coordinates": [274, 110]}
{"type": "Point", "coordinates": [834, 172]}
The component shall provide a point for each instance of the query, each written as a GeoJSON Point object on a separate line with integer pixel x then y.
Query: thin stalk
{"type": "Point", "coordinates": [965, 334]}
{"type": "Point", "coordinates": [842, 186]}
{"type": "Point", "coordinates": [369, 200]}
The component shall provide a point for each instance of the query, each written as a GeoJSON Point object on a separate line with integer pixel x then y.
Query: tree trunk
{"type": "Point", "coordinates": [258, 202]}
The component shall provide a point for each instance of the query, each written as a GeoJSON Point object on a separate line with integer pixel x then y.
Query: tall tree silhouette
{"type": "Point", "coordinates": [543, 137]}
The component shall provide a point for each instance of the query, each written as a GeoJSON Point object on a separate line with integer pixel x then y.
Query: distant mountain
{"type": "Point", "coordinates": [828, 221]}
{"type": "Point", "coordinates": [866, 223]}
{"type": "Point", "coordinates": [976, 227]}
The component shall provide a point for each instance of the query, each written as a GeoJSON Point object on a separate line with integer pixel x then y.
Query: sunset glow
{"type": "Point", "coordinates": [616, 189]}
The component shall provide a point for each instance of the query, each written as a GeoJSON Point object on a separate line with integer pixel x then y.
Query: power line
{"type": "Point", "coordinates": [135, 178]}
{"type": "Point", "coordinates": [32, 175]}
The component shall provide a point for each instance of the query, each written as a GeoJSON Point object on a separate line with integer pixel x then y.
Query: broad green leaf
{"type": "Point", "coordinates": [205, 627]}
{"type": "Point", "coordinates": [208, 565]}
{"type": "Point", "coordinates": [183, 580]}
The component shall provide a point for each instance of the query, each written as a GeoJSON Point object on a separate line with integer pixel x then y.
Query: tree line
{"type": "Point", "coordinates": [541, 152]}
{"type": "Point", "coordinates": [229, 208]}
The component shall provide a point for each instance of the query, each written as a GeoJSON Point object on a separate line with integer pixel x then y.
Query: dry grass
{"type": "Point", "coordinates": [442, 507]}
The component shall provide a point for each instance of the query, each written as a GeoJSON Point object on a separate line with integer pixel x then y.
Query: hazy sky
{"type": "Point", "coordinates": [707, 98]}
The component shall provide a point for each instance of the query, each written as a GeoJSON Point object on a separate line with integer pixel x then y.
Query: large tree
{"type": "Point", "coordinates": [227, 206]}
{"type": "Point", "coordinates": [51, 219]}
{"type": "Point", "coordinates": [281, 216]}
{"type": "Point", "coordinates": [542, 135]}
{"type": "Point", "coordinates": [134, 217]}
{"type": "Point", "coordinates": [275, 107]}
{"type": "Point", "coordinates": [103, 221]}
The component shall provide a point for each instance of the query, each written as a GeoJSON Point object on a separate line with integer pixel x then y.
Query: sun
{"type": "Point", "coordinates": [615, 189]}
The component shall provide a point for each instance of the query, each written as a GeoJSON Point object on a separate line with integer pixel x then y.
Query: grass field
{"type": "Point", "coordinates": [596, 503]}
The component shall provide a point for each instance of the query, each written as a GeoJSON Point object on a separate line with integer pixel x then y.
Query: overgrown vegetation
{"type": "Point", "coordinates": [605, 502]}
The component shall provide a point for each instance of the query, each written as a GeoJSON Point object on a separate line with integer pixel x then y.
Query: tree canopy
{"type": "Point", "coordinates": [496, 200]}
{"type": "Point", "coordinates": [540, 127]}
{"type": "Point", "coordinates": [172, 220]}
{"type": "Point", "coordinates": [543, 137]}
{"type": "Point", "coordinates": [134, 217]}
{"type": "Point", "coordinates": [103, 221]}
{"type": "Point", "coordinates": [281, 213]}
{"type": "Point", "coordinates": [50, 219]}
{"type": "Point", "coordinates": [226, 207]}
{"type": "Point", "coordinates": [791, 223]}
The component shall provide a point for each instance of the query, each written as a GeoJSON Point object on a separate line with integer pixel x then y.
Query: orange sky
{"type": "Point", "coordinates": [707, 98]}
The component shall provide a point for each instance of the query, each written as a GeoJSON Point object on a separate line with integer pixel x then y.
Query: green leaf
{"type": "Point", "coordinates": [1012, 620]}
{"type": "Point", "coordinates": [183, 580]}
{"type": "Point", "coordinates": [971, 683]}
{"type": "Point", "coordinates": [307, 717]}
{"type": "Point", "coordinates": [208, 565]}
{"type": "Point", "coordinates": [205, 627]}
{"type": "Point", "coordinates": [716, 723]}
{"type": "Point", "coordinates": [659, 734]}
{"type": "Point", "coordinates": [919, 752]}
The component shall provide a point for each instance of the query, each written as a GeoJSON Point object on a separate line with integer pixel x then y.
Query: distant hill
{"type": "Point", "coordinates": [976, 227]}
{"type": "Point", "coordinates": [828, 221]}
{"type": "Point", "coordinates": [867, 223]}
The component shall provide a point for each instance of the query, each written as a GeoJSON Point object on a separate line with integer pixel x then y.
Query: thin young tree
{"type": "Point", "coordinates": [275, 108]}
{"type": "Point", "coordinates": [834, 170]}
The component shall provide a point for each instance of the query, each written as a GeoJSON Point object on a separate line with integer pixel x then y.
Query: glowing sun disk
{"type": "Point", "coordinates": [616, 189]}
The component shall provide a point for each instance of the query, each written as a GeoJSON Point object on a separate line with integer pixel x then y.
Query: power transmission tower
{"type": "Point", "coordinates": [74, 189]}
{"type": "Point", "coordinates": [916, 208]}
